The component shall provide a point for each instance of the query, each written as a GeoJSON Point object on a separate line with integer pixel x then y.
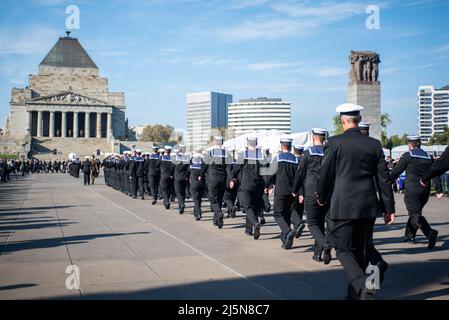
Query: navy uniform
{"type": "Point", "coordinates": [298, 207]}
{"type": "Point", "coordinates": [137, 170]}
{"type": "Point", "coordinates": [154, 173]}
{"type": "Point", "coordinates": [347, 175]}
{"type": "Point", "coordinates": [415, 163]}
{"type": "Point", "coordinates": [181, 175]}
{"type": "Point", "coordinates": [265, 197]}
{"type": "Point", "coordinates": [287, 165]}
{"type": "Point", "coordinates": [167, 169]}
{"type": "Point", "coordinates": [196, 184]}
{"type": "Point", "coordinates": [216, 175]}
{"type": "Point", "coordinates": [86, 170]}
{"type": "Point", "coordinates": [375, 258]}
{"type": "Point", "coordinates": [306, 179]}
{"type": "Point", "coordinates": [230, 195]}
{"type": "Point", "coordinates": [252, 185]}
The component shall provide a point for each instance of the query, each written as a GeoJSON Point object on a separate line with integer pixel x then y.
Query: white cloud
{"type": "Point", "coordinates": [33, 40]}
{"type": "Point", "coordinates": [331, 72]}
{"type": "Point", "coordinates": [424, 66]}
{"type": "Point", "coordinates": [442, 48]}
{"type": "Point", "coordinates": [268, 65]}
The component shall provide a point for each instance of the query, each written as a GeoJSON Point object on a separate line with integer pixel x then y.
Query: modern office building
{"type": "Point", "coordinates": [205, 111]}
{"type": "Point", "coordinates": [433, 109]}
{"type": "Point", "coordinates": [252, 115]}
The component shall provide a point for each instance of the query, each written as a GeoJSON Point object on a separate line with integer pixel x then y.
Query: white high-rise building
{"type": "Point", "coordinates": [205, 111]}
{"type": "Point", "coordinates": [252, 115]}
{"type": "Point", "coordinates": [433, 108]}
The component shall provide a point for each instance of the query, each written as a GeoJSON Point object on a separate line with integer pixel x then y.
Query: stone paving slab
{"type": "Point", "coordinates": [128, 249]}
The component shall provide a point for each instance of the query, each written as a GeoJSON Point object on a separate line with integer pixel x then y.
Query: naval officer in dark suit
{"type": "Point", "coordinates": [351, 165]}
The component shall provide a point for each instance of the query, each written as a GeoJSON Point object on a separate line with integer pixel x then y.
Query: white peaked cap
{"type": "Point", "coordinates": [349, 108]}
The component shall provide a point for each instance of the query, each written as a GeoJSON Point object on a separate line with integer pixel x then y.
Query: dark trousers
{"type": "Point", "coordinates": [154, 186]}
{"type": "Point", "coordinates": [266, 201]}
{"type": "Point", "coordinates": [252, 204]}
{"type": "Point", "coordinates": [297, 212]}
{"type": "Point", "coordinates": [316, 221]}
{"type": "Point", "coordinates": [415, 200]}
{"type": "Point", "coordinates": [196, 191]}
{"type": "Point", "coordinates": [216, 194]}
{"type": "Point", "coordinates": [351, 239]}
{"type": "Point", "coordinates": [137, 184]}
{"type": "Point", "coordinates": [86, 178]}
{"type": "Point", "coordinates": [180, 190]}
{"type": "Point", "coordinates": [282, 213]}
{"type": "Point", "coordinates": [229, 198]}
{"type": "Point", "coordinates": [166, 189]}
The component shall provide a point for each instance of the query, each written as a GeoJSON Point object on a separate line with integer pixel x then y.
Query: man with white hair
{"type": "Point", "coordinates": [352, 164]}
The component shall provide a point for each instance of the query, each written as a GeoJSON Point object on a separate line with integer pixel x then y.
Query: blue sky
{"type": "Point", "coordinates": [156, 51]}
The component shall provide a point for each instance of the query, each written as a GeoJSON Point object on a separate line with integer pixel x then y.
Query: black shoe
{"type": "Point", "coordinates": [432, 239]}
{"type": "Point", "coordinates": [327, 257]}
{"type": "Point", "coordinates": [167, 206]}
{"type": "Point", "coordinates": [268, 209]}
{"type": "Point", "coordinates": [153, 202]}
{"type": "Point", "coordinates": [317, 257]}
{"type": "Point", "coordinates": [367, 294]}
{"type": "Point", "coordinates": [289, 240]}
{"type": "Point", "coordinates": [299, 229]}
{"type": "Point", "coordinates": [383, 266]}
{"type": "Point", "coordinates": [181, 210]}
{"type": "Point", "coordinates": [220, 221]}
{"type": "Point", "coordinates": [249, 232]}
{"type": "Point", "coordinates": [262, 220]}
{"type": "Point", "coordinates": [142, 198]}
{"type": "Point", "coordinates": [197, 218]}
{"type": "Point", "coordinates": [256, 231]}
{"type": "Point", "coordinates": [233, 213]}
{"type": "Point", "coordinates": [410, 239]}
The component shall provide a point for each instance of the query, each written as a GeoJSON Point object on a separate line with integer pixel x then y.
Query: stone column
{"type": "Point", "coordinates": [51, 130]}
{"type": "Point", "coordinates": [87, 125]}
{"type": "Point", "coordinates": [39, 124]}
{"type": "Point", "coordinates": [75, 124]}
{"type": "Point", "coordinates": [63, 124]}
{"type": "Point", "coordinates": [98, 125]}
{"type": "Point", "coordinates": [30, 121]}
{"type": "Point", "coordinates": [108, 125]}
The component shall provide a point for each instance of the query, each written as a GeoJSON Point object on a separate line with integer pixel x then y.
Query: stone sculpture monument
{"type": "Point", "coordinates": [364, 87]}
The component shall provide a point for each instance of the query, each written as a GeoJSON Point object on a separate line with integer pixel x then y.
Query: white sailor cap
{"type": "Point", "coordinates": [176, 150]}
{"type": "Point", "coordinates": [168, 148]}
{"type": "Point", "coordinates": [146, 153]}
{"type": "Point", "coordinates": [139, 150]}
{"type": "Point", "coordinates": [413, 138]}
{"type": "Point", "coordinates": [160, 150]}
{"type": "Point", "coordinates": [349, 109]}
{"type": "Point", "coordinates": [319, 131]}
{"type": "Point", "coordinates": [86, 157]}
{"type": "Point", "coordinates": [251, 139]}
{"type": "Point", "coordinates": [364, 125]}
{"type": "Point", "coordinates": [196, 157]}
{"type": "Point", "coordinates": [218, 138]}
{"type": "Point", "coordinates": [284, 140]}
{"type": "Point", "coordinates": [298, 147]}
{"type": "Point", "coordinates": [181, 146]}
{"type": "Point", "coordinates": [155, 147]}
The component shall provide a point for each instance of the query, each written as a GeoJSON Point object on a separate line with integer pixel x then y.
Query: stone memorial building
{"type": "Point", "coordinates": [67, 104]}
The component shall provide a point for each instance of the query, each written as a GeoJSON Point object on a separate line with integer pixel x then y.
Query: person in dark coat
{"type": "Point", "coordinates": [196, 184]}
{"type": "Point", "coordinates": [416, 163]}
{"type": "Point", "coordinates": [86, 170]}
{"type": "Point", "coordinates": [352, 165]}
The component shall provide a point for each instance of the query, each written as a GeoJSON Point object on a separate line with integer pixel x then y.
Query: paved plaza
{"type": "Point", "coordinates": [128, 249]}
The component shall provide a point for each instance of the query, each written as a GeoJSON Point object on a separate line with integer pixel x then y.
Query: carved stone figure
{"type": "Point", "coordinates": [364, 66]}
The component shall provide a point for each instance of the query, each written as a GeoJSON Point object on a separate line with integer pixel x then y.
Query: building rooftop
{"type": "Point", "coordinates": [261, 99]}
{"type": "Point", "coordinates": [444, 88]}
{"type": "Point", "coordinates": [68, 52]}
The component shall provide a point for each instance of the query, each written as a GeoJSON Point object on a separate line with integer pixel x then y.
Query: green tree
{"type": "Point", "coordinates": [338, 128]}
{"type": "Point", "coordinates": [440, 137]}
{"type": "Point", "coordinates": [157, 133]}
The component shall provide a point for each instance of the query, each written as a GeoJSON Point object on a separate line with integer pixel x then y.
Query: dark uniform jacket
{"type": "Point", "coordinates": [247, 170]}
{"type": "Point", "coordinates": [166, 166]}
{"type": "Point", "coordinates": [285, 174]}
{"type": "Point", "coordinates": [307, 173]}
{"type": "Point", "coordinates": [416, 163]}
{"type": "Point", "coordinates": [350, 165]}
{"type": "Point", "coordinates": [216, 171]}
{"type": "Point", "coordinates": [153, 169]}
{"type": "Point", "coordinates": [86, 166]}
